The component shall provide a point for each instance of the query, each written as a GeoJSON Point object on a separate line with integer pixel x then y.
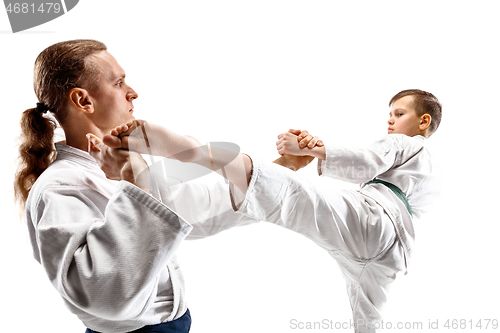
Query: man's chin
{"type": "Point", "coordinates": [128, 119]}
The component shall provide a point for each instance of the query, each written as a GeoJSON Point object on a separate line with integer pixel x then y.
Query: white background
{"type": "Point", "coordinates": [245, 71]}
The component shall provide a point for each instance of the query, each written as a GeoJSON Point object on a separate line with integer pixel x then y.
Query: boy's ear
{"type": "Point", "coordinates": [80, 98]}
{"type": "Point", "coordinates": [425, 122]}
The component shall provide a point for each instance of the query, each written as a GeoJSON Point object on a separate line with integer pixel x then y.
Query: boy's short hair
{"type": "Point", "coordinates": [423, 102]}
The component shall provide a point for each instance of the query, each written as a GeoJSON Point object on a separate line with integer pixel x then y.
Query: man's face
{"type": "Point", "coordinates": [403, 118]}
{"type": "Point", "coordinates": [113, 97]}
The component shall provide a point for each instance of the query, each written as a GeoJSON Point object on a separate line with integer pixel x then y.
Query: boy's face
{"type": "Point", "coordinates": [403, 118]}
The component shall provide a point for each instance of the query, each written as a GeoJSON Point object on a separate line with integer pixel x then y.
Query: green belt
{"type": "Point", "coordinates": [396, 190]}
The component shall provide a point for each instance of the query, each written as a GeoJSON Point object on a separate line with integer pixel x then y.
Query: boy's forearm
{"type": "Point", "coordinates": [318, 152]}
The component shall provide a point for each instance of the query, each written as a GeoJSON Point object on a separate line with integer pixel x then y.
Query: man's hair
{"type": "Point", "coordinates": [423, 102]}
{"type": "Point", "coordinates": [58, 69]}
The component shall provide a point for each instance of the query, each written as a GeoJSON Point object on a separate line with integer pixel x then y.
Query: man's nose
{"type": "Point", "coordinates": [131, 95]}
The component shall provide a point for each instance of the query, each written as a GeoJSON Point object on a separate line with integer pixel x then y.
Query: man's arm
{"type": "Point", "coordinates": [143, 137]}
{"type": "Point", "coordinates": [146, 138]}
{"type": "Point", "coordinates": [292, 162]}
{"type": "Point", "coordinates": [119, 164]}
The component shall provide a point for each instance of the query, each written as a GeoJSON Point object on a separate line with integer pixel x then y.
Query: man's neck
{"type": "Point", "coordinates": [76, 136]}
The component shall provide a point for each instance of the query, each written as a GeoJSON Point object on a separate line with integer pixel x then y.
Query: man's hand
{"type": "Point", "coordinates": [119, 164]}
{"type": "Point", "coordinates": [147, 138]}
{"type": "Point", "coordinates": [130, 136]}
{"type": "Point", "coordinates": [294, 163]}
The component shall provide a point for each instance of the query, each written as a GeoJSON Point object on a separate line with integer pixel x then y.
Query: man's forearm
{"type": "Point", "coordinates": [235, 167]}
{"type": "Point", "coordinates": [294, 163]}
{"type": "Point", "coordinates": [166, 143]}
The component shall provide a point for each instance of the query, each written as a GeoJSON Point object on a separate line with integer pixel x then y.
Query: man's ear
{"type": "Point", "coordinates": [425, 122]}
{"type": "Point", "coordinates": [80, 98]}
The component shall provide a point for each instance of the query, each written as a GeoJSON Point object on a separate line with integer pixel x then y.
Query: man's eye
{"type": "Point", "coordinates": [119, 83]}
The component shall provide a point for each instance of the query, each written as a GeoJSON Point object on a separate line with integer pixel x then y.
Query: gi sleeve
{"type": "Point", "coordinates": [105, 257]}
{"type": "Point", "coordinates": [364, 164]}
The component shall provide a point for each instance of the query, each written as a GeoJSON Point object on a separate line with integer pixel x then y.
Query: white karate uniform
{"type": "Point", "coordinates": [108, 247]}
{"type": "Point", "coordinates": [369, 232]}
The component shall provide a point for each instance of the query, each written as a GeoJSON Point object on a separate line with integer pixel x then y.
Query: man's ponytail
{"type": "Point", "coordinates": [36, 151]}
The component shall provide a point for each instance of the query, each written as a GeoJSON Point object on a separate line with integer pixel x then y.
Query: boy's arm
{"type": "Point", "coordinates": [359, 165]}
{"type": "Point", "coordinates": [352, 165]}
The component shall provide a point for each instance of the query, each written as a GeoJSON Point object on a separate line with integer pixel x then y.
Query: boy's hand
{"type": "Point", "coordinates": [293, 142]}
{"type": "Point", "coordinates": [306, 140]}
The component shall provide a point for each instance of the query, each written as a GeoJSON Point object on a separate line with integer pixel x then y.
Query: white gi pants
{"type": "Point", "coordinates": [351, 226]}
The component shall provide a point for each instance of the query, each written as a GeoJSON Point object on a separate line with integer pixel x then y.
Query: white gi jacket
{"type": "Point", "coordinates": [369, 232]}
{"type": "Point", "coordinates": [108, 247]}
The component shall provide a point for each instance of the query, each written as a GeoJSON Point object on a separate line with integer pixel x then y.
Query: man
{"type": "Point", "coordinates": [106, 242]}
